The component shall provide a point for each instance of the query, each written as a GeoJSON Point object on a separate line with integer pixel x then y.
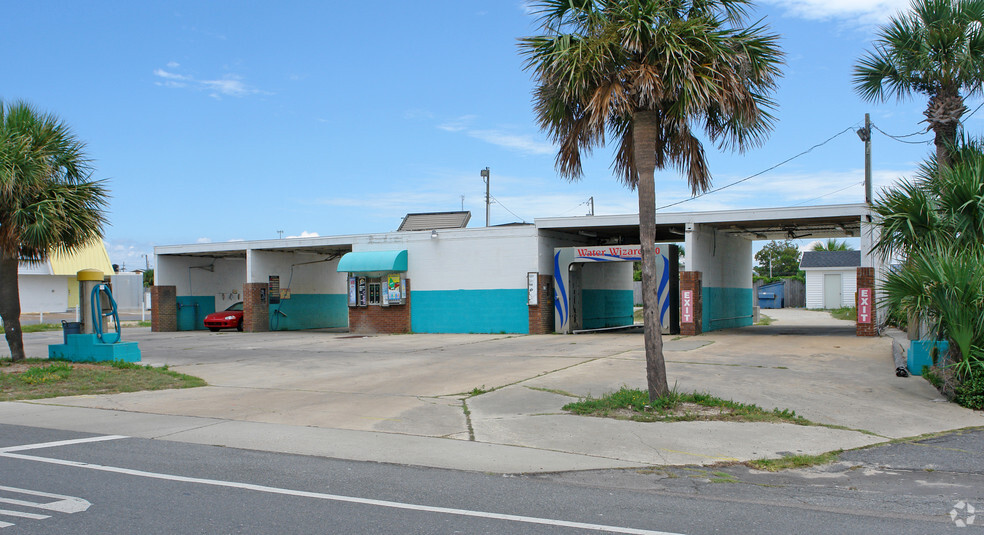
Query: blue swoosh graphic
{"type": "Point", "coordinates": [561, 306]}
{"type": "Point", "coordinates": [663, 283]}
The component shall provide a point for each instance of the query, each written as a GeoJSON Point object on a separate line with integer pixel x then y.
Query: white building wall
{"type": "Point", "coordinates": [814, 286]}
{"type": "Point", "coordinates": [724, 261]}
{"type": "Point", "coordinates": [202, 276]}
{"type": "Point", "coordinates": [303, 273]}
{"type": "Point", "coordinates": [463, 259]}
{"type": "Point", "coordinates": [43, 293]}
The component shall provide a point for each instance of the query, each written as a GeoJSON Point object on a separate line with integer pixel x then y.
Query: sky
{"type": "Point", "coordinates": [225, 121]}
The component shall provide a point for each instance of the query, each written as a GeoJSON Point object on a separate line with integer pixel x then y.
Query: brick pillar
{"type": "Point", "coordinates": [542, 314]}
{"type": "Point", "coordinates": [690, 281]}
{"type": "Point", "coordinates": [163, 309]}
{"type": "Point", "coordinates": [256, 307]}
{"type": "Point", "coordinates": [867, 324]}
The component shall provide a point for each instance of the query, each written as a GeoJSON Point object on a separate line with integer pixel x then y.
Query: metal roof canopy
{"type": "Point", "coordinates": [330, 246]}
{"type": "Point", "coordinates": [434, 221]}
{"type": "Point", "coordinates": [829, 221]}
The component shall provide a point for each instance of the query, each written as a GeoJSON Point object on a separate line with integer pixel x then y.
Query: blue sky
{"type": "Point", "coordinates": [218, 121]}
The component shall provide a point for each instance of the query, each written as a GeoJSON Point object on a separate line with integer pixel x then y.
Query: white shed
{"type": "Point", "coordinates": [831, 278]}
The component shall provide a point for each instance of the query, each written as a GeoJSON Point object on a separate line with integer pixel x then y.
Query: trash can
{"type": "Point", "coordinates": [70, 327]}
{"type": "Point", "coordinates": [770, 295]}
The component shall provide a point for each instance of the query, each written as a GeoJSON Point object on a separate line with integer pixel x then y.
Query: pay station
{"type": "Point", "coordinates": [94, 338]}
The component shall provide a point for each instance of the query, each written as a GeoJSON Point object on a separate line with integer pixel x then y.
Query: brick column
{"type": "Point", "coordinates": [690, 281]}
{"type": "Point", "coordinates": [542, 314]}
{"type": "Point", "coordinates": [256, 311]}
{"type": "Point", "coordinates": [867, 324]}
{"type": "Point", "coordinates": [163, 309]}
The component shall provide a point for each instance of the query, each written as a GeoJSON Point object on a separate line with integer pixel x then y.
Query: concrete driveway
{"type": "Point", "coordinates": [492, 402]}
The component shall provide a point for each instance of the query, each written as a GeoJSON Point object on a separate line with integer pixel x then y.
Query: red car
{"type": "Point", "coordinates": [230, 318]}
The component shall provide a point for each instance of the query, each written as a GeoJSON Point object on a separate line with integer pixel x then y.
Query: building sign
{"type": "Point", "coordinates": [274, 289]}
{"type": "Point", "coordinates": [864, 305]}
{"type": "Point", "coordinates": [394, 289]}
{"type": "Point", "coordinates": [687, 306]}
{"type": "Point", "coordinates": [362, 291]}
{"type": "Point", "coordinates": [633, 253]}
{"type": "Point", "coordinates": [352, 294]}
{"type": "Point", "coordinates": [532, 280]}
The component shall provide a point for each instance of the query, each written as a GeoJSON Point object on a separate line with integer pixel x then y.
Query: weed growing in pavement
{"type": "Point", "coordinates": [633, 404]}
{"type": "Point", "coordinates": [795, 461]}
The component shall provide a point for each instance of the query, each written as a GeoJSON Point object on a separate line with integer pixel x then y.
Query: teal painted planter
{"type": "Point", "coordinates": [88, 348]}
{"type": "Point", "coordinates": [192, 311]}
{"type": "Point", "coordinates": [920, 354]}
{"type": "Point", "coordinates": [726, 308]}
{"type": "Point", "coordinates": [309, 311]}
{"type": "Point", "coordinates": [606, 308]}
{"type": "Point", "coordinates": [469, 311]}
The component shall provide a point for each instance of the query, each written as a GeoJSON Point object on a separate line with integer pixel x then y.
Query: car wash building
{"type": "Point", "coordinates": [436, 275]}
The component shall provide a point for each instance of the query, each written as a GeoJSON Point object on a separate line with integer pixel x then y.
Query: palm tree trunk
{"type": "Point", "coordinates": [943, 115]}
{"type": "Point", "coordinates": [644, 127]}
{"type": "Point", "coordinates": [10, 306]}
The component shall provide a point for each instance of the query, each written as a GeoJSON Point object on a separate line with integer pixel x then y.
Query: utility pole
{"type": "Point", "coordinates": [488, 198]}
{"type": "Point", "coordinates": [591, 205]}
{"type": "Point", "coordinates": [865, 135]}
{"type": "Point", "coordinates": [462, 203]}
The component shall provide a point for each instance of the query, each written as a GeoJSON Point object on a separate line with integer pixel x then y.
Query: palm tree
{"type": "Point", "coordinates": [47, 201]}
{"type": "Point", "coordinates": [653, 74]}
{"type": "Point", "coordinates": [935, 49]}
{"type": "Point", "coordinates": [936, 223]}
{"type": "Point", "coordinates": [832, 245]}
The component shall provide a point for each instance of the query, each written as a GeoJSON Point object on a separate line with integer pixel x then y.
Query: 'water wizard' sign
{"type": "Point", "coordinates": [565, 256]}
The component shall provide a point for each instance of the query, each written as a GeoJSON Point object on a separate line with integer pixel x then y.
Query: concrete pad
{"type": "Point", "coordinates": [666, 443]}
{"type": "Point", "coordinates": [392, 398]}
{"type": "Point", "coordinates": [335, 443]}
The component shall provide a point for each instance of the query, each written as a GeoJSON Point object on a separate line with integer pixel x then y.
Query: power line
{"type": "Point", "coordinates": [831, 193]}
{"type": "Point", "coordinates": [784, 162]}
{"type": "Point", "coordinates": [506, 209]}
{"type": "Point", "coordinates": [972, 113]}
{"type": "Point", "coordinates": [899, 138]}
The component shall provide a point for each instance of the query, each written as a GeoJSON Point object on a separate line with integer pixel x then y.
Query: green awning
{"type": "Point", "coordinates": [373, 262]}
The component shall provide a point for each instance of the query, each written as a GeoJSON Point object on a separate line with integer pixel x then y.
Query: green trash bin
{"type": "Point", "coordinates": [70, 327]}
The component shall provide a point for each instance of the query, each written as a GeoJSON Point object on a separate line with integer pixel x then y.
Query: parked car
{"type": "Point", "coordinates": [230, 318]}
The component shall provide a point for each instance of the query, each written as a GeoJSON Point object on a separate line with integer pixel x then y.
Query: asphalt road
{"type": "Point", "coordinates": [98, 484]}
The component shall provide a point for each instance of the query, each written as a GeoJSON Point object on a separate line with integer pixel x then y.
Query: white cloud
{"type": "Point", "coordinates": [521, 143]}
{"type": "Point", "coordinates": [203, 240]}
{"type": "Point", "coordinates": [231, 85]}
{"type": "Point", "coordinates": [306, 234]}
{"type": "Point", "coordinates": [457, 125]}
{"type": "Point", "coordinates": [173, 65]}
{"type": "Point", "coordinates": [863, 11]}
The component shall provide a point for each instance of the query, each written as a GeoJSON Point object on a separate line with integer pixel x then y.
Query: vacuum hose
{"type": "Point", "coordinates": [97, 315]}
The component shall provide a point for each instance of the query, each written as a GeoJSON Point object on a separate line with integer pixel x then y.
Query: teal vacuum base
{"type": "Point", "coordinates": [88, 348]}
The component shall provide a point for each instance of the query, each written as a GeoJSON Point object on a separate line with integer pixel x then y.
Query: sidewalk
{"type": "Point", "coordinates": [404, 398]}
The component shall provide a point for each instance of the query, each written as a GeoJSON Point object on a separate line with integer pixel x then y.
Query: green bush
{"type": "Point", "coordinates": [970, 393]}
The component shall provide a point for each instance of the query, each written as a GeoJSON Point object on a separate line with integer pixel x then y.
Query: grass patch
{"type": "Point", "coordinates": [845, 313]}
{"type": "Point", "coordinates": [634, 404]}
{"type": "Point", "coordinates": [40, 327]}
{"type": "Point", "coordinates": [795, 461]}
{"type": "Point", "coordinates": [42, 378]}
{"type": "Point", "coordinates": [764, 320]}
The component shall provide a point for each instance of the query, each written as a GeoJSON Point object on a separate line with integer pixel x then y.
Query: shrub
{"type": "Point", "coordinates": [970, 393]}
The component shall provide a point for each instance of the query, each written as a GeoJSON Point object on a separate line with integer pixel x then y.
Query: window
{"type": "Point", "coordinates": [374, 292]}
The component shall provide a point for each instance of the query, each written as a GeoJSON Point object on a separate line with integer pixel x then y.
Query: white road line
{"type": "Point", "coordinates": [338, 498]}
{"type": "Point", "coordinates": [19, 514]}
{"type": "Point", "coordinates": [61, 443]}
{"type": "Point", "coordinates": [62, 504]}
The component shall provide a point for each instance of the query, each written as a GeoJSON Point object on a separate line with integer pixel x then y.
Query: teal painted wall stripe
{"type": "Point", "coordinates": [606, 308]}
{"type": "Point", "coordinates": [469, 311]}
{"type": "Point", "coordinates": [720, 303]}
{"type": "Point", "coordinates": [309, 311]}
{"type": "Point", "coordinates": [190, 317]}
